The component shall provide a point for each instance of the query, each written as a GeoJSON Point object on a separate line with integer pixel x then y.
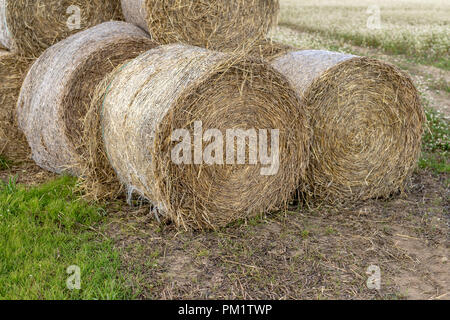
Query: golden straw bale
{"type": "Point", "coordinates": [144, 102]}
{"type": "Point", "coordinates": [213, 24]}
{"type": "Point", "coordinates": [13, 144]}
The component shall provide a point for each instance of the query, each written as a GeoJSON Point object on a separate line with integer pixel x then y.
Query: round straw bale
{"type": "Point", "coordinates": [13, 144]}
{"type": "Point", "coordinates": [367, 121]}
{"type": "Point", "coordinates": [214, 24]}
{"type": "Point", "coordinates": [58, 89]}
{"type": "Point", "coordinates": [98, 181]}
{"type": "Point", "coordinates": [182, 87]}
{"type": "Point", "coordinates": [31, 26]}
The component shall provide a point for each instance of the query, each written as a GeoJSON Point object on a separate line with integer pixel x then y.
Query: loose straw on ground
{"type": "Point", "coordinates": [58, 89]}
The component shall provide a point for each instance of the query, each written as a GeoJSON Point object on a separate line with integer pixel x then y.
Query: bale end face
{"type": "Point", "coordinates": [244, 100]}
{"type": "Point", "coordinates": [367, 121]}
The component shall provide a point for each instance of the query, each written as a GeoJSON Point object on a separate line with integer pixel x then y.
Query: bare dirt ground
{"type": "Point", "coordinates": [26, 173]}
{"type": "Point", "coordinates": [321, 253]}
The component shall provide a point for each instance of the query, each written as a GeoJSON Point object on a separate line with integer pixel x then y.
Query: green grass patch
{"type": "Point", "coordinates": [43, 231]}
{"type": "Point", "coordinates": [435, 154]}
{"type": "Point", "coordinates": [5, 163]}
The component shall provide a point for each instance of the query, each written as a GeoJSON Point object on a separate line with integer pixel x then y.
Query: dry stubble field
{"type": "Point", "coordinates": [305, 253]}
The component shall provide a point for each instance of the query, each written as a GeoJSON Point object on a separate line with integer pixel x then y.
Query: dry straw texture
{"type": "Point", "coordinates": [59, 86]}
{"type": "Point", "coordinates": [172, 87]}
{"type": "Point", "coordinates": [12, 71]}
{"type": "Point", "coordinates": [367, 121]}
{"type": "Point", "coordinates": [214, 24]}
{"type": "Point", "coordinates": [31, 26]}
{"type": "Point", "coordinates": [98, 181]}
{"type": "Point", "coordinates": [269, 50]}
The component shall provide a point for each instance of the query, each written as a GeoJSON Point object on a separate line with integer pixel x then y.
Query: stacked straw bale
{"type": "Point", "coordinates": [174, 86]}
{"type": "Point", "coordinates": [213, 24]}
{"type": "Point", "coordinates": [367, 121]}
{"type": "Point", "coordinates": [267, 49]}
{"type": "Point", "coordinates": [57, 90]}
{"type": "Point", "coordinates": [12, 141]}
{"type": "Point", "coordinates": [28, 27]}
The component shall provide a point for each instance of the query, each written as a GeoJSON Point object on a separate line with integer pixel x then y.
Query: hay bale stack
{"type": "Point", "coordinates": [214, 24]}
{"type": "Point", "coordinates": [58, 89]}
{"type": "Point", "coordinates": [176, 86]}
{"type": "Point", "coordinates": [367, 121]}
{"type": "Point", "coordinates": [31, 26]}
{"type": "Point", "coordinates": [13, 144]}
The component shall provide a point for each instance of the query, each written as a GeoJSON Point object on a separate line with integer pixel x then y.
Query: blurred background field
{"type": "Point", "coordinates": [418, 29]}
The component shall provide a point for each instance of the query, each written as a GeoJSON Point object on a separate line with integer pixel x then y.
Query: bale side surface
{"type": "Point", "coordinates": [214, 24]}
{"type": "Point", "coordinates": [58, 89]}
{"type": "Point", "coordinates": [170, 88]}
{"type": "Point", "coordinates": [13, 69]}
{"type": "Point", "coordinates": [367, 121]}
{"type": "Point", "coordinates": [31, 26]}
